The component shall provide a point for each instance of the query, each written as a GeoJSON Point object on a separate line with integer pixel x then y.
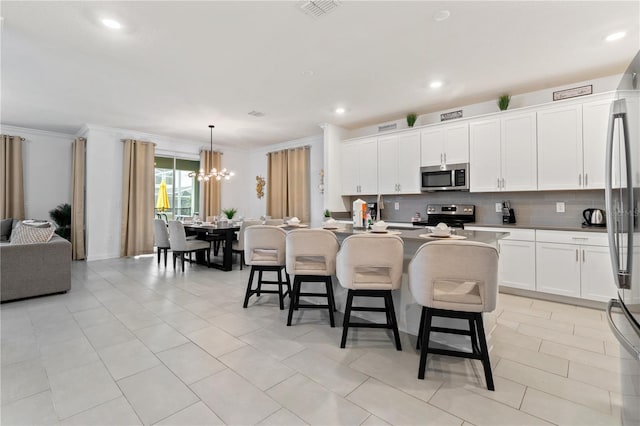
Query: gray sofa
{"type": "Point", "coordinates": [28, 270]}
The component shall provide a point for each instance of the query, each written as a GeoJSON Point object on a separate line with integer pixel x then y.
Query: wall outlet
{"type": "Point", "coordinates": [498, 207]}
{"type": "Point", "coordinates": [560, 207]}
{"type": "Point", "coordinates": [396, 205]}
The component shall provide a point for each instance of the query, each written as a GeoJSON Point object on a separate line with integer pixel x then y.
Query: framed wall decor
{"type": "Point", "coordinates": [573, 92]}
{"type": "Point", "coordinates": [451, 115]}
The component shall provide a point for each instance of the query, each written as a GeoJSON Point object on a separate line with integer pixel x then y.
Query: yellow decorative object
{"type": "Point", "coordinates": [163, 197]}
{"type": "Point", "coordinates": [260, 186]}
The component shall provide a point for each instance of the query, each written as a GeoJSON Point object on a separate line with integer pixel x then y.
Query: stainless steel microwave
{"type": "Point", "coordinates": [447, 177]}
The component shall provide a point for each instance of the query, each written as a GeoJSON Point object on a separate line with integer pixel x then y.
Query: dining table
{"type": "Point", "coordinates": [225, 231]}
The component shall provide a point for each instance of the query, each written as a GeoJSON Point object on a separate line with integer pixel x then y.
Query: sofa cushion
{"type": "Point", "coordinates": [24, 234]}
{"type": "Point", "coordinates": [5, 229]}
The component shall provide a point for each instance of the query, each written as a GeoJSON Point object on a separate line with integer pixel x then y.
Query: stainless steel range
{"type": "Point", "coordinates": [454, 215]}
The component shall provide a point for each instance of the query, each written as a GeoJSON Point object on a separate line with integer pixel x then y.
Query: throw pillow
{"type": "Point", "coordinates": [31, 235]}
{"type": "Point", "coordinates": [5, 229]}
{"type": "Point", "coordinates": [36, 223]}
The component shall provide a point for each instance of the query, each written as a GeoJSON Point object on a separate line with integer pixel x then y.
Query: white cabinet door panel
{"type": "Point", "coordinates": [517, 265]}
{"type": "Point", "coordinates": [558, 269]}
{"type": "Point", "coordinates": [484, 156]}
{"type": "Point", "coordinates": [519, 160]}
{"type": "Point", "coordinates": [350, 169]}
{"type": "Point", "coordinates": [456, 148]}
{"type": "Point", "coordinates": [408, 163]}
{"type": "Point", "coordinates": [560, 148]}
{"type": "Point", "coordinates": [431, 146]}
{"type": "Point", "coordinates": [595, 121]}
{"type": "Point", "coordinates": [597, 275]}
{"type": "Point", "coordinates": [388, 164]}
{"type": "Point", "coordinates": [368, 158]}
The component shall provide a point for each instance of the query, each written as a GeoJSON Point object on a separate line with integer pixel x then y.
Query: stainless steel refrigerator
{"type": "Point", "coordinates": [622, 194]}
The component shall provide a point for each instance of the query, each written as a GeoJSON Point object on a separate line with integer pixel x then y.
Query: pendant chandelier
{"type": "Point", "coordinates": [214, 173]}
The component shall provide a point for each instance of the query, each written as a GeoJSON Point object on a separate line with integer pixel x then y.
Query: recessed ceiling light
{"type": "Point", "coordinates": [110, 23]}
{"type": "Point", "coordinates": [308, 73]}
{"type": "Point", "coordinates": [441, 15]}
{"type": "Point", "coordinates": [340, 110]}
{"type": "Point", "coordinates": [435, 84]}
{"type": "Point", "coordinates": [616, 36]}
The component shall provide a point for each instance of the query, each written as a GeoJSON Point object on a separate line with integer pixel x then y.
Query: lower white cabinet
{"type": "Point", "coordinates": [517, 266]}
{"type": "Point", "coordinates": [574, 264]}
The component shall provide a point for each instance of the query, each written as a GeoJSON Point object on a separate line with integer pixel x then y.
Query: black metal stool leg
{"type": "Point", "coordinates": [421, 329]}
{"type": "Point", "coordinates": [330, 301]}
{"type": "Point", "coordinates": [392, 316]}
{"type": "Point", "coordinates": [425, 344]}
{"type": "Point", "coordinates": [259, 282]}
{"type": "Point", "coordinates": [486, 363]}
{"type": "Point", "coordinates": [347, 315]}
{"type": "Point", "coordinates": [248, 293]}
{"type": "Point", "coordinates": [280, 295]}
{"type": "Point", "coordinates": [294, 299]}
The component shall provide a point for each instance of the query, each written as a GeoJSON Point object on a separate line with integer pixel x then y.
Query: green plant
{"type": "Point", "coordinates": [61, 215]}
{"type": "Point", "coordinates": [230, 213]}
{"type": "Point", "coordinates": [503, 102]}
{"type": "Point", "coordinates": [327, 213]}
{"type": "Point", "coordinates": [411, 119]}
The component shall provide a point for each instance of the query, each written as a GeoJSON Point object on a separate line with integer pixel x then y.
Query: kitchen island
{"type": "Point", "coordinates": [407, 310]}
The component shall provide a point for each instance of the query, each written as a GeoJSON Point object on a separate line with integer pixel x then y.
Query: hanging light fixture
{"type": "Point", "coordinates": [214, 173]}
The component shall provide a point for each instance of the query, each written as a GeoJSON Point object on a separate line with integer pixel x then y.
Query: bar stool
{"type": "Point", "coordinates": [370, 265]}
{"type": "Point", "coordinates": [238, 246]}
{"type": "Point", "coordinates": [311, 257]}
{"type": "Point", "coordinates": [455, 279]}
{"type": "Point", "coordinates": [180, 245]}
{"type": "Point", "coordinates": [264, 250]}
{"type": "Point", "coordinates": [161, 239]}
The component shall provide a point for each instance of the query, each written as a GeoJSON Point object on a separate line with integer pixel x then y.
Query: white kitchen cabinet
{"type": "Point", "coordinates": [517, 261]}
{"type": "Point", "coordinates": [360, 167]}
{"type": "Point", "coordinates": [558, 268]}
{"type": "Point", "coordinates": [399, 163]}
{"type": "Point", "coordinates": [595, 122]}
{"type": "Point", "coordinates": [503, 153]}
{"type": "Point", "coordinates": [574, 264]}
{"type": "Point", "coordinates": [444, 144]}
{"type": "Point", "coordinates": [560, 147]}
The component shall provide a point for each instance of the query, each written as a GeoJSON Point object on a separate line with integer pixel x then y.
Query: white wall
{"type": "Point", "coordinates": [539, 97]}
{"type": "Point", "coordinates": [47, 162]}
{"type": "Point", "coordinates": [257, 166]}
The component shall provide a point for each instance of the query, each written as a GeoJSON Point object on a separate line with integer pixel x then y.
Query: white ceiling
{"type": "Point", "coordinates": [178, 66]}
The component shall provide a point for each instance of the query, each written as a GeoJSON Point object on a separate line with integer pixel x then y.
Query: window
{"type": "Point", "coordinates": [183, 191]}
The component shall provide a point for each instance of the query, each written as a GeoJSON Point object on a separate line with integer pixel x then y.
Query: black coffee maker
{"type": "Point", "coordinates": [508, 215]}
{"type": "Point", "coordinates": [372, 209]}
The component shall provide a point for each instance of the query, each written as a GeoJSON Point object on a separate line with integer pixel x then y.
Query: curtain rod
{"type": "Point", "coordinates": [135, 140]}
{"type": "Point", "coordinates": [21, 138]}
{"type": "Point", "coordinates": [290, 149]}
{"type": "Point", "coordinates": [214, 151]}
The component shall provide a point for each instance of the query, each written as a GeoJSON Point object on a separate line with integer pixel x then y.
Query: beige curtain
{"type": "Point", "coordinates": [288, 184]}
{"type": "Point", "coordinates": [136, 235]}
{"type": "Point", "coordinates": [298, 183]}
{"type": "Point", "coordinates": [11, 182]}
{"type": "Point", "coordinates": [210, 189]}
{"type": "Point", "coordinates": [77, 203]}
{"type": "Point", "coordinates": [277, 184]}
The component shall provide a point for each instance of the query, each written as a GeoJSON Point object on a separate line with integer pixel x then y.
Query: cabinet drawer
{"type": "Point", "coordinates": [514, 234]}
{"type": "Point", "coordinates": [571, 237]}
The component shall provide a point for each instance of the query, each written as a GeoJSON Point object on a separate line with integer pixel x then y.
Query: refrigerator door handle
{"type": "Point", "coordinates": [622, 276]}
{"type": "Point", "coordinates": [616, 332]}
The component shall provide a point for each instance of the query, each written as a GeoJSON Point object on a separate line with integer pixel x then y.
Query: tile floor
{"type": "Point", "coordinates": [133, 343]}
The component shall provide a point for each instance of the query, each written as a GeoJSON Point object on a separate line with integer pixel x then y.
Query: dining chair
{"type": "Point", "coordinates": [180, 245]}
{"type": "Point", "coordinates": [455, 279]}
{"type": "Point", "coordinates": [370, 265]}
{"type": "Point", "coordinates": [161, 239]}
{"type": "Point", "coordinates": [311, 258]}
{"type": "Point", "coordinates": [264, 250]}
{"type": "Point", "coordinates": [237, 247]}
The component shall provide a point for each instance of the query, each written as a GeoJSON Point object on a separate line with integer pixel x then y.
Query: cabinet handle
{"type": "Point", "coordinates": [577, 254]}
{"type": "Point", "coordinates": [445, 158]}
{"type": "Point", "coordinates": [583, 257]}
{"type": "Point", "coordinates": [579, 179]}
{"type": "Point", "coordinates": [441, 162]}
{"type": "Point", "coordinates": [498, 179]}
{"type": "Point", "coordinates": [502, 183]}
{"type": "Point", "coordinates": [586, 180]}
{"type": "Point", "coordinates": [398, 187]}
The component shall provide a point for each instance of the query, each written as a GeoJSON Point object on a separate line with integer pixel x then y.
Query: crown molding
{"type": "Point", "coordinates": [7, 128]}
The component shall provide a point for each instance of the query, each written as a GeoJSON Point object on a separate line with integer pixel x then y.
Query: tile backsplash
{"type": "Point", "coordinates": [535, 208]}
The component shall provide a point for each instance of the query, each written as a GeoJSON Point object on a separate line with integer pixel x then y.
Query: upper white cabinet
{"type": "Point", "coordinates": [503, 153]}
{"type": "Point", "coordinates": [595, 121]}
{"type": "Point", "coordinates": [360, 167]}
{"type": "Point", "coordinates": [444, 144]}
{"type": "Point", "coordinates": [560, 147]}
{"type": "Point", "coordinates": [399, 163]}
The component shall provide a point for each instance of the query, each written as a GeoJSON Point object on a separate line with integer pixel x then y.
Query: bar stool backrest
{"type": "Point", "coordinates": [311, 252]}
{"type": "Point", "coordinates": [264, 245]}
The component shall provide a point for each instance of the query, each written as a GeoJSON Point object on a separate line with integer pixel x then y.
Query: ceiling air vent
{"type": "Point", "coordinates": [316, 9]}
{"type": "Point", "coordinates": [256, 113]}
